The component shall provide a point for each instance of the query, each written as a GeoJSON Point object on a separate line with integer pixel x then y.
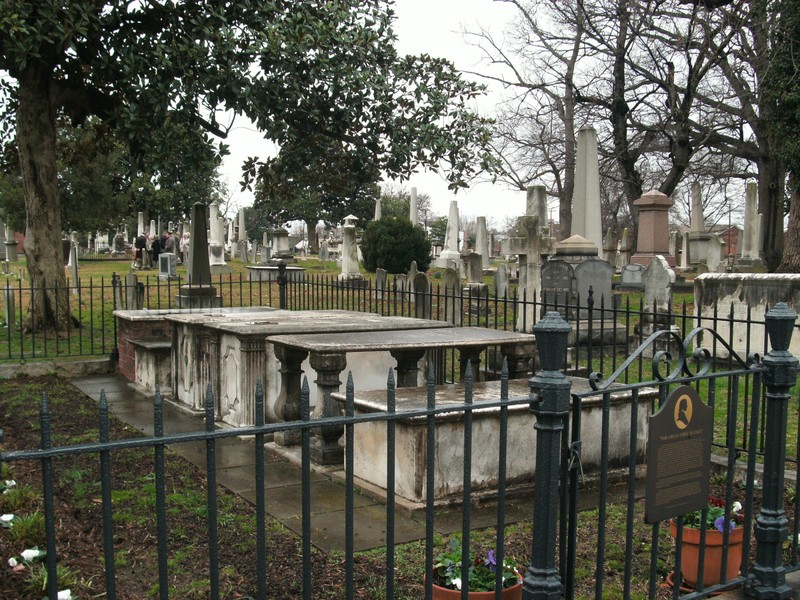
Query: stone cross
{"type": "Point", "coordinates": [586, 220]}
{"type": "Point", "coordinates": [531, 242]}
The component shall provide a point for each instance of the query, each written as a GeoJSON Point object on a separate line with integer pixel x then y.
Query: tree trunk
{"type": "Point", "coordinates": [311, 231]}
{"type": "Point", "coordinates": [36, 137]}
{"type": "Point", "coordinates": [771, 176]}
{"type": "Point", "coordinates": [791, 249]}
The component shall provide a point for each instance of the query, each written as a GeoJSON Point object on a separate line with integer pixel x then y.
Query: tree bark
{"type": "Point", "coordinates": [36, 138]}
{"type": "Point", "coordinates": [791, 248]}
{"type": "Point", "coordinates": [771, 178]}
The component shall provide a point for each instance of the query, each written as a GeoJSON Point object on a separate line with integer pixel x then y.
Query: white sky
{"type": "Point", "coordinates": [422, 26]}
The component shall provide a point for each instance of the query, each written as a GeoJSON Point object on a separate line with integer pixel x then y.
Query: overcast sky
{"type": "Point", "coordinates": [422, 26]}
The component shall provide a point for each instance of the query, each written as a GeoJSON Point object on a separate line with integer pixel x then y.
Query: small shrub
{"type": "Point", "coordinates": [29, 530]}
{"type": "Point", "coordinates": [392, 243]}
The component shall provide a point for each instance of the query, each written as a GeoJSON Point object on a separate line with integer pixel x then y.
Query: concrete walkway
{"type": "Point", "coordinates": [235, 464]}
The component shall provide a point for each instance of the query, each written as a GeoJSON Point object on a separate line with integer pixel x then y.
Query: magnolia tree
{"type": "Point", "coordinates": [298, 69]}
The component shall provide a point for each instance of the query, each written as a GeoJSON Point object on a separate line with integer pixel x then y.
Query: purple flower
{"type": "Point", "coordinates": [721, 523]}
{"type": "Point", "coordinates": [491, 561]}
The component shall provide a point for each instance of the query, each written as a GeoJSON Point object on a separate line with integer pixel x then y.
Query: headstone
{"type": "Point", "coordinates": [264, 249]}
{"type": "Point", "coordinates": [474, 267]}
{"type": "Point", "coordinates": [482, 242]}
{"type": "Point", "coordinates": [586, 220]}
{"type": "Point", "coordinates": [351, 275]}
{"type": "Point", "coordinates": [653, 234]}
{"type": "Point", "coordinates": [153, 231]}
{"type": "Point", "coordinates": [140, 224]}
{"type": "Point", "coordinates": [413, 208]}
{"type": "Point", "coordinates": [658, 280]}
{"type": "Point", "coordinates": [167, 266]}
{"type": "Point", "coordinates": [625, 248]}
{"type": "Point", "coordinates": [281, 248]}
{"type": "Point", "coordinates": [594, 275]}
{"type": "Point", "coordinates": [134, 300]}
{"type": "Point", "coordinates": [452, 296]}
{"type": "Point", "coordinates": [501, 282]}
{"type": "Point", "coordinates": [216, 247]}
{"type": "Point", "coordinates": [412, 274]}
{"type": "Point", "coordinates": [377, 214]}
{"type": "Point", "coordinates": [632, 277]}
{"type": "Point", "coordinates": [558, 287]}
{"type": "Point", "coordinates": [450, 251]}
{"type": "Point", "coordinates": [380, 283]}
{"type": "Point", "coordinates": [674, 242]}
{"type": "Point", "coordinates": [750, 236]}
{"type": "Point", "coordinates": [10, 312]}
{"type": "Point", "coordinates": [610, 247]}
{"type": "Point", "coordinates": [73, 269]}
{"type": "Point", "coordinates": [118, 244]}
{"type": "Point", "coordinates": [422, 296]}
{"type": "Point", "coordinates": [2, 238]}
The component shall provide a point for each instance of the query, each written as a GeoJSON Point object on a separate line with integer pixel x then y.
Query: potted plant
{"type": "Point", "coordinates": [717, 520]}
{"type": "Point", "coordinates": [448, 579]}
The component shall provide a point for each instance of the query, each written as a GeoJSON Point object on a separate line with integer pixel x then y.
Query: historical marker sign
{"type": "Point", "coordinates": [678, 456]}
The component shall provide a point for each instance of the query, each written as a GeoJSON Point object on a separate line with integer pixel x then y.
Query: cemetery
{"type": "Point", "coordinates": [317, 385]}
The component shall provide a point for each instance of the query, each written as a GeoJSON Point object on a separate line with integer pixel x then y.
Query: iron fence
{"type": "Point", "coordinates": [560, 448]}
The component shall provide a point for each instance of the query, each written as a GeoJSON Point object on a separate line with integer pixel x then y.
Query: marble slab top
{"type": "Point", "coordinates": [416, 398]}
{"type": "Point", "coordinates": [409, 339]}
{"type": "Point", "coordinates": [191, 314]}
{"type": "Point", "coordinates": [317, 322]}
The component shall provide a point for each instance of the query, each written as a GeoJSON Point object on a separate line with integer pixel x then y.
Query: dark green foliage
{"type": "Point", "coordinates": [392, 243]}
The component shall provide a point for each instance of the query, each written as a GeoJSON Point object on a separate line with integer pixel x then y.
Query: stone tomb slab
{"type": "Point", "coordinates": [369, 453]}
{"type": "Point", "coordinates": [231, 354]}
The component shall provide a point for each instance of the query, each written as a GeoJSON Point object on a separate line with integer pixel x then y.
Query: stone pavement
{"type": "Point", "coordinates": [235, 463]}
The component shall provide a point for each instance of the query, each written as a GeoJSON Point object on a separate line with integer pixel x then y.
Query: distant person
{"type": "Point", "coordinates": [168, 243]}
{"type": "Point", "coordinates": [155, 250]}
{"type": "Point", "coordinates": [184, 246]}
{"type": "Point", "coordinates": [139, 244]}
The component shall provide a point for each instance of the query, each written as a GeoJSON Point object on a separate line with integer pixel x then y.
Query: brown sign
{"type": "Point", "coordinates": [678, 456]}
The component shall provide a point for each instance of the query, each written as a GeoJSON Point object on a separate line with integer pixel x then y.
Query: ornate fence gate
{"type": "Point", "coordinates": [748, 396]}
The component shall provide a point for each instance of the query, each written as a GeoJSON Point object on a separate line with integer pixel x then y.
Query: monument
{"type": "Point", "coordinates": [351, 275]}
{"type": "Point", "coordinates": [586, 220]}
{"type": "Point", "coordinates": [450, 253]}
{"type": "Point", "coordinates": [653, 230]}
{"type": "Point", "coordinates": [750, 236]}
{"type": "Point", "coordinates": [198, 292]}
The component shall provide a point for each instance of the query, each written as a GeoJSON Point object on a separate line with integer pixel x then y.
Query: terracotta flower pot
{"type": "Point", "coordinates": [690, 554]}
{"type": "Point", "coordinates": [511, 593]}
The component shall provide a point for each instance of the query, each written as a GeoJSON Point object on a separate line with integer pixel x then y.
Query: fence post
{"type": "Point", "coordinates": [282, 279]}
{"type": "Point", "coordinates": [768, 575]}
{"type": "Point", "coordinates": [550, 403]}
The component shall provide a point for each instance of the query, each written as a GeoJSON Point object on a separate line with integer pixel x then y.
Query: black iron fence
{"type": "Point", "coordinates": [586, 523]}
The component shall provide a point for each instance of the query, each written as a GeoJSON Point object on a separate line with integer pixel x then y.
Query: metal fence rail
{"type": "Point", "coordinates": [551, 572]}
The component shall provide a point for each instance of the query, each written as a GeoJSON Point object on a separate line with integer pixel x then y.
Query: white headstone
{"type": "Point", "coordinates": [140, 225]}
{"type": "Point", "coordinates": [377, 214]}
{"type": "Point", "coordinates": [450, 251]}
